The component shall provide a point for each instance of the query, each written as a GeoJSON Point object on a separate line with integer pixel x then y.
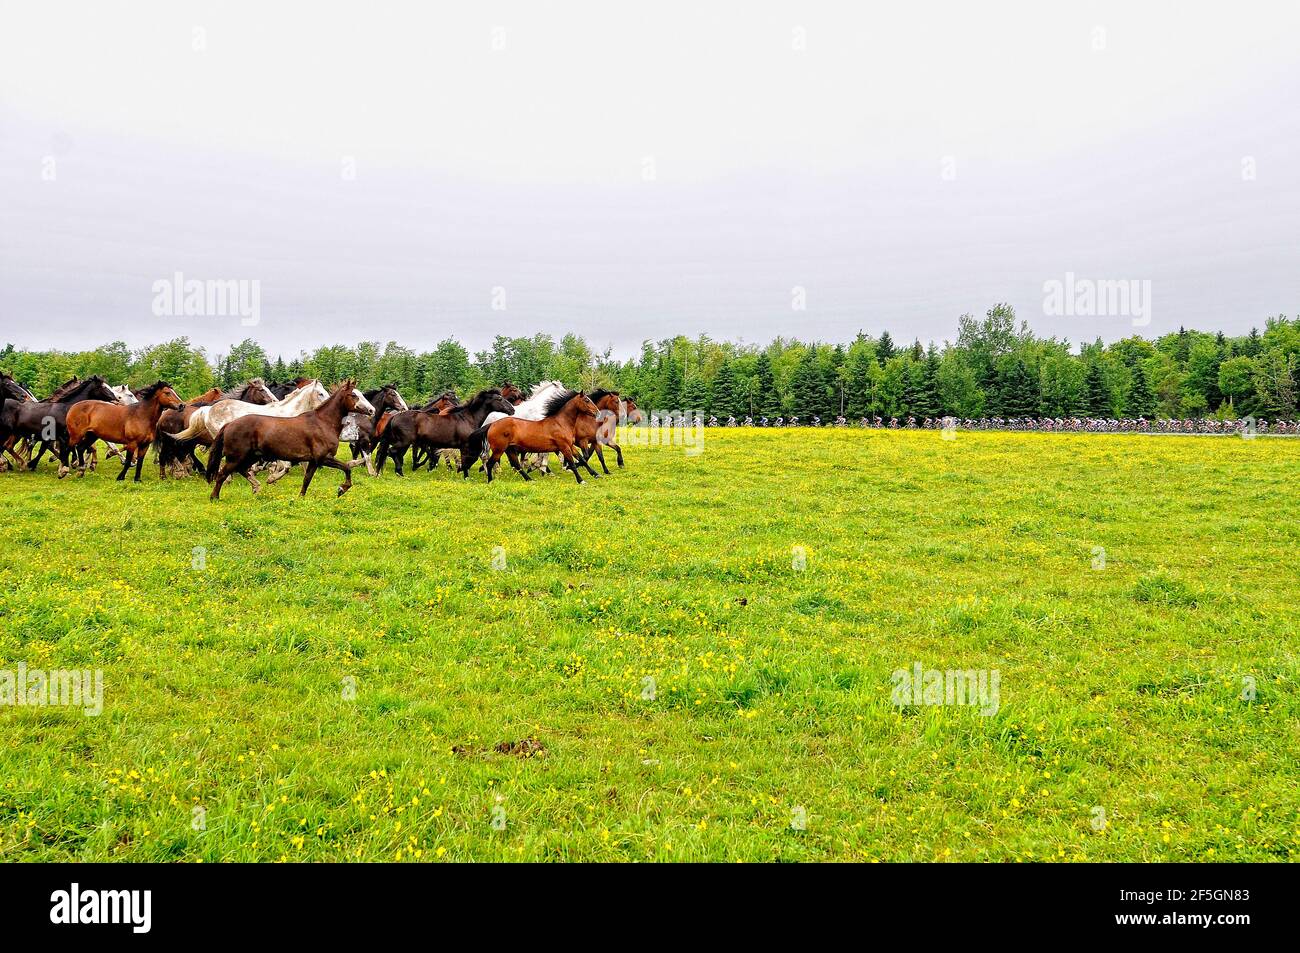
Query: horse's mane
{"type": "Point", "coordinates": [556, 402]}
{"type": "Point", "coordinates": [597, 394]}
{"type": "Point", "coordinates": [144, 393]}
{"type": "Point", "coordinates": [65, 390]}
{"type": "Point", "coordinates": [543, 385]}
{"type": "Point", "coordinates": [479, 399]}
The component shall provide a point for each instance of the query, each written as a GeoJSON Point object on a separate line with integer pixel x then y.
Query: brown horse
{"type": "Point", "coordinates": [614, 407]}
{"type": "Point", "coordinates": [311, 438]}
{"type": "Point", "coordinates": [131, 425]}
{"type": "Point", "coordinates": [554, 433]}
{"type": "Point", "coordinates": [431, 431]}
{"type": "Point", "coordinates": [441, 405]}
{"type": "Point", "coordinates": [178, 455]}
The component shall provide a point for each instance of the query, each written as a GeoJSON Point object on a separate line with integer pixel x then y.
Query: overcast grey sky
{"type": "Point", "coordinates": [631, 171]}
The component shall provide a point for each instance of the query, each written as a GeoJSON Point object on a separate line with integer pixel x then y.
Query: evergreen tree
{"type": "Point", "coordinates": [1141, 401]}
{"type": "Point", "coordinates": [884, 348]}
{"type": "Point", "coordinates": [806, 390]}
{"type": "Point", "coordinates": [1017, 388]}
{"type": "Point", "coordinates": [766, 400]}
{"type": "Point", "coordinates": [695, 395]}
{"type": "Point", "coordinates": [725, 400]}
{"type": "Point", "coordinates": [1095, 398]}
{"type": "Point", "coordinates": [858, 386]}
{"type": "Point", "coordinates": [671, 383]}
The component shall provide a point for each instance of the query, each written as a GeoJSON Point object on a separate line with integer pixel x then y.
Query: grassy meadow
{"type": "Point", "coordinates": [650, 676]}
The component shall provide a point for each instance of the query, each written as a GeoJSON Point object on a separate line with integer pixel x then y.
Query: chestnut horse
{"type": "Point", "coordinates": [614, 408]}
{"type": "Point", "coordinates": [554, 433]}
{"type": "Point", "coordinates": [132, 426]}
{"type": "Point", "coordinates": [311, 438]}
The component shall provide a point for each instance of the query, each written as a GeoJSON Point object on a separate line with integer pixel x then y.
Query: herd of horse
{"type": "Point", "coordinates": [272, 427]}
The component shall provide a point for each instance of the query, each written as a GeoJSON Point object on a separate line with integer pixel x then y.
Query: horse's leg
{"type": "Point", "coordinates": [40, 452]}
{"type": "Point", "coordinates": [600, 455]}
{"type": "Point", "coordinates": [571, 461]}
{"type": "Point", "coordinates": [338, 465]}
{"type": "Point", "coordinates": [126, 465]}
{"type": "Point", "coordinates": [226, 469]}
{"type": "Point", "coordinates": [579, 458]}
{"type": "Point", "coordinates": [619, 452]}
{"type": "Point", "coordinates": [306, 478]}
{"type": "Point", "coordinates": [399, 456]}
{"type": "Point", "coordinates": [491, 463]}
{"type": "Point", "coordinates": [140, 452]}
{"type": "Point", "coordinates": [513, 454]}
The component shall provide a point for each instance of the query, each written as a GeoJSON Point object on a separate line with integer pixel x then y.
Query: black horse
{"type": "Point", "coordinates": [385, 399]}
{"type": "Point", "coordinates": [10, 389]}
{"type": "Point", "coordinates": [430, 431]}
{"type": "Point", "coordinates": [46, 420]}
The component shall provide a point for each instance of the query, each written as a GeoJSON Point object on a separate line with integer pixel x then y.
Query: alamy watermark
{"type": "Point", "coordinates": [59, 687]}
{"type": "Point", "coordinates": [181, 297]}
{"type": "Point", "coordinates": [974, 687]}
{"type": "Point", "coordinates": [1101, 298]}
{"type": "Point", "coordinates": [667, 428]}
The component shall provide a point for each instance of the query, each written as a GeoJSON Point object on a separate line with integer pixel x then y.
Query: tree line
{"type": "Point", "coordinates": [995, 367]}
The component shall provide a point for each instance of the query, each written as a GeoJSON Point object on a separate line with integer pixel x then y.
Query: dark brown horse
{"type": "Point", "coordinates": [442, 404]}
{"type": "Point", "coordinates": [179, 455]}
{"type": "Point", "coordinates": [10, 389]}
{"type": "Point", "coordinates": [46, 420]}
{"type": "Point", "coordinates": [311, 438]}
{"type": "Point", "coordinates": [133, 426]}
{"type": "Point", "coordinates": [367, 427]}
{"type": "Point", "coordinates": [431, 431]}
{"type": "Point", "coordinates": [554, 433]}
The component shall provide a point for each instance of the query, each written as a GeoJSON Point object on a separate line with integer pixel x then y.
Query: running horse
{"type": "Point", "coordinates": [554, 433]}
{"type": "Point", "coordinates": [311, 438]}
{"type": "Point", "coordinates": [132, 426]}
{"type": "Point", "coordinates": [431, 431]}
{"type": "Point", "coordinates": [612, 408]}
{"type": "Point", "coordinates": [452, 457]}
{"type": "Point", "coordinates": [172, 454]}
{"type": "Point", "coordinates": [444, 402]}
{"type": "Point", "coordinates": [45, 420]}
{"type": "Point", "coordinates": [10, 389]}
{"type": "Point", "coordinates": [361, 431]}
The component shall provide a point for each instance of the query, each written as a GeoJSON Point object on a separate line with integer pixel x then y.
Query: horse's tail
{"type": "Point", "coordinates": [476, 443]}
{"type": "Point", "coordinates": [215, 455]}
{"type": "Point", "coordinates": [198, 423]}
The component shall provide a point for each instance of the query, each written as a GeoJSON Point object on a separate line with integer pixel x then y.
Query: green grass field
{"type": "Point", "coordinates": [352, 679]}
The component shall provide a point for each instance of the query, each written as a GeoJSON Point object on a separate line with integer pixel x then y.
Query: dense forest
{"type": "Point", "coordinates": [995, 367]}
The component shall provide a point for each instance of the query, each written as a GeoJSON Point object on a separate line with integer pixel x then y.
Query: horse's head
{"type": "Point", "coordinates": [497, 402]}
{"type": "Point", "coordinates": [256, 392]}
{"type": "Point", "coordinates": [161, 393]}
{"type": "Point", "coordinates": [349, 397]}
{"type": "Point", "coordinates": [605, 399]}
{"type": "Point", "coordinates": [584, 404]}
{"type": "Point", "coordinates": [512, 393]}
{"type": "Point", "coordinates": [11, 388]}
{"type": "Point", "coordinates": [392, 400]}
{"type": "Point", "coordinates": [628, 411]}
{"type": "Point", "coordinates": [123, 395]}
{"type": "Point", "coordinates": [313, 391]}
{"type": "Point", "coordinates": [359, 402]}
{"type": "Point", "coordinates": [444, 402]}
{"type": "Point", "coordinates": [97, 389]}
